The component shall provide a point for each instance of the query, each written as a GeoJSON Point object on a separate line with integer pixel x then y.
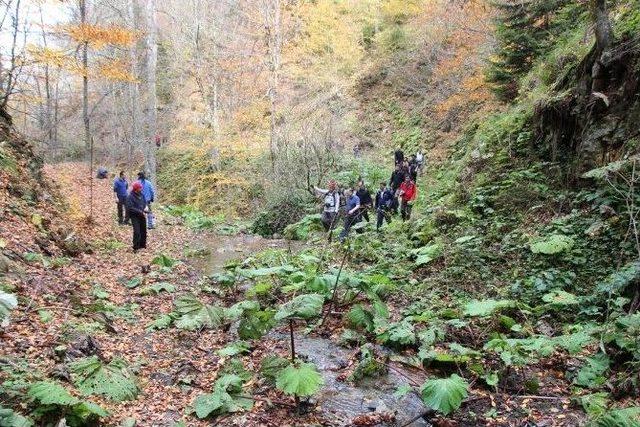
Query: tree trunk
{"type": "Point", "coordinates": [151, 43]}
{"type": "Point", "coordinates": [604, 31]}
{"type": "Point", "coordinates": [133, 88]}
{"type": "Point", "coordinates": [274, 45]}
{"type": "Point", "coordinates": [85, 79]}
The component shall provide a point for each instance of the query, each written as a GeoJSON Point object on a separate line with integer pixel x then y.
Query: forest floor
{"type": "Point", "coordinates": [99, 304]}
{"type": "Point", "coordinates": [172, 366]}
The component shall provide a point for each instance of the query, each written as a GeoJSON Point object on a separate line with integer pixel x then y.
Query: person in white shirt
{"type": "Point", "coordinates": [331, 207]}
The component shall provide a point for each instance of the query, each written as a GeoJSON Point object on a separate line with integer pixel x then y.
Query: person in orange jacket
{"type": "Point", "coordinates": [407, 194]}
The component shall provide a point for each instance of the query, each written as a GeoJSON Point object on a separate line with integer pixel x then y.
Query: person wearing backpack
{"type": "Point", "coordinates": [352, 212]}
{"type": "Point", "coordinates": [407, 193]}
{"type": "Point", "coordinates": [397, 178]}
{"type": "Point", "coordinates": [136, 206]}
{"type": "Point", "coordinates": [365, 200]}
{"type": "Point", "coordinates": [383, 205]}
{"type": "Point", "coordinates": [149, 195]}
{"type": "Point", "coordinates": [331, 207]}
{"type": "Point", "coordinates": [120, 186]}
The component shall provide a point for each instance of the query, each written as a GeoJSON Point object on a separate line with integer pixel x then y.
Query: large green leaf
{"type": "Point", "coordinates": [9, 418]}
{"type": "Point", "coordinates": [301, 380]}
{"type": "Point", "coordinates": [225, 398]}
{"type": "Point", "coordinates": [7, 303]}
{"type": "Point", "coordinates": [559, 297]}
{"type": "Point", "coordinates": [270, 271]}
{"type": "Point", "coordinates": [113, 380]}
{"type": "Point", "coordinates": [305, 306]}
{"type": "Point", "coordinates": [50, 393]}
{"type": "Point", "coordinates": [426, 254]}
{"type": "Point", "coordinates": [194, 314]}
{"type": "Point", "coordinates": [486, 307]}
{"type": "Point", "coordinates": [445, 394]}
{"type": "Point", "coordinates": [164, 261]}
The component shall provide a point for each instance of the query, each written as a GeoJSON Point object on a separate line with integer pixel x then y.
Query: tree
{"type": "Point", "coordinates": [523, 30]}
{"type": "Point", "coordinates": [151, 63]}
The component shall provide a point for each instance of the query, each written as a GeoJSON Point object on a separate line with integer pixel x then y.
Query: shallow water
{"type": "Point", "coordinates": [341, 401]}
{"type": "Point", "coordinates": [223, 249]}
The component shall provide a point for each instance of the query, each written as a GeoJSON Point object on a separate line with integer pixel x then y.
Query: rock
{"type": "Point", "coordinates": [5, 264]}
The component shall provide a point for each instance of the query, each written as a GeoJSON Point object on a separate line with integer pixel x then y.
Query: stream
{"type": "Point", "coordinates": [339, 401]}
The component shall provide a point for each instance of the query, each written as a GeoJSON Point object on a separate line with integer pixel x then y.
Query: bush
{"type": "Point", "coordinates": [283, 210]}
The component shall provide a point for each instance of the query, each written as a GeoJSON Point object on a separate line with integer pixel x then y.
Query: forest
{"type": "Point", "coordinates": [258, 145]}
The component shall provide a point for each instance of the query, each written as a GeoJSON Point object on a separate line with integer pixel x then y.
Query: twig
{"type": "Point", "coordinates": [525, 396]}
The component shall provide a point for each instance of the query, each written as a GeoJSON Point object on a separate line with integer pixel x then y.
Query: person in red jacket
{"type": "Point", "coordinates": [407, 193]}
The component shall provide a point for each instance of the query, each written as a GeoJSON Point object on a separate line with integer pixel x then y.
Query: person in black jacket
{"type": "Point", "coordinates": [399, 156]}
{"type": "Point", "coordinates": [383, 205]}
{"type": "Point", "coordinates": [365, 200]}
{"type": "Point", "coordinates": [136, 205]}
{"type": "Point", "coordinates": [397, 178]}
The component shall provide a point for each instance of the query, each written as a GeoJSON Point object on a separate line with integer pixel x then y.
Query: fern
{"type": "Point", "coordinates": [445, 394]}
{"type": "Point", "coordinates": [7, 303]}
{"type": "Point", "coordinates": [300, 380]}
{"type": "Point", "coordinates": [360, 317]}
{"type": "Point", "coordinates": [113, 380]}
{"type": "Point", "coordinates": [626, 417]}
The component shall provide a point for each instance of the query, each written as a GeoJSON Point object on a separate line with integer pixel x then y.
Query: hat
{"type": "Point", "coordinates": [136, 186]}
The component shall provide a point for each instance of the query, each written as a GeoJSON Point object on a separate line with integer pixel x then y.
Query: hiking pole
{"type": "Point", "coordinates": [335, 287]}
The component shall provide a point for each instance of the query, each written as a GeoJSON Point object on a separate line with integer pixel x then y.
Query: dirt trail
{"type": "Point", "coordinates": [173, 366]}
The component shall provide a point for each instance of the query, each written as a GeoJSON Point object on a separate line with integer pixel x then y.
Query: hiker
{"type": "Point", "coordinates": [383, 205]}
{"type": "Point", "coordinates": [407, 193]}
{"type": "Point", "coordinates": [420, 160]}
{"type": "Point", "coordinates": [413, 168]}
{"type": "Point", "coordinates": [397, 178]}
{"type": "Point", "coordinates": [331, 206]}
{"type": "Point", "coordinates": [399, 156]}
{"type": "Point", "coordinates": [352, 214]}
{"type": "Point", "coordinates": [120, 186]}
{"type": "Point", "coordinates": [136, 205]}
{"type": "Point", "coordinates": [365, 200]}
{"type": "Point", "coordinates": [149, 196]}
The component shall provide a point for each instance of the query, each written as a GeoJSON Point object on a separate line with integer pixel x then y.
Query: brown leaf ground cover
{"type": "Point", "coordinates": [172, 366]}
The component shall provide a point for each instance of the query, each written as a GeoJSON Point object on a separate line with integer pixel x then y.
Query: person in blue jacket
{"type": "Point", "coordinates": [149, 195]}
{"type": "Point", "coordinates": [120, 186]}
{"type": "Point", "coordinates": [352, 212]}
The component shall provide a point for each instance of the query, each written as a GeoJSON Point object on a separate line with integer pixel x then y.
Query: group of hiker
{"type": "Point", "coordinates": [134, 206]}
{"type": "Point", "coordinates": [398, 194]}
